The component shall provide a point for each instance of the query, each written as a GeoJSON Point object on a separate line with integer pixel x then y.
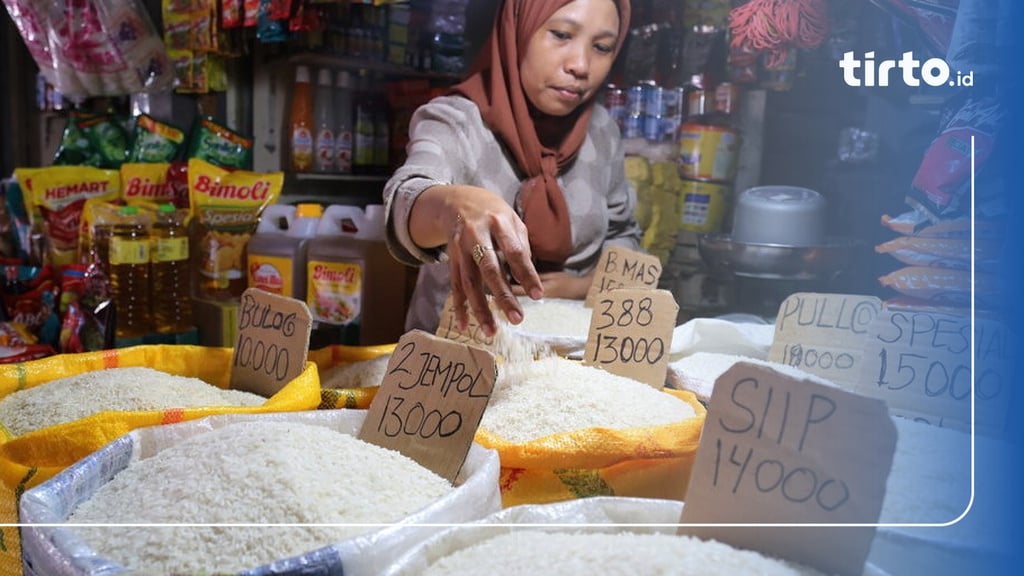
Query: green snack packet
{"type": "Point", "coordinates": [154, 141]}
{"type": "Point", "coordinates": [219, 145]}
{"type": "Point", "coordinates": [108, 137]}
{"type": "Point", "coordinates": [75, 149]}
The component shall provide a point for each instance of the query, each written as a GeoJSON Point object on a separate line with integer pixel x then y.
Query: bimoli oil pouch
{"type": "Point", "coordinates": [58, 195]}
{"type": "Point", "coordinates": [226, 208]}
{"type": "Point", "coordinates": [146, 182]}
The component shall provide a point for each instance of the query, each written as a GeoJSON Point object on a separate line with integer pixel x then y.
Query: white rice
{"type": "Point", "coordinates": [255, 472]}
{"type": "Point", "coordinates": [699, 371]}
{"type": "Point", "coordinates": [531, 400]}
{"type": "Point", "coordinates": [115, 389]}
{"type": "Point", "coordinates": [595, 554]}
{"type": "Point", "coordinates": [359, 374]}
{"type": "Point", "coordinates": [930, 477]}
{"type": "Point", "coordinates": [555, 316]}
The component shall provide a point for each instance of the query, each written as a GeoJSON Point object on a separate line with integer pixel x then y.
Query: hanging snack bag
{"type": "Point", "coordinates": [219, 145]}
{"type": "Point", "coordinates": [154, 141]}
{"type": "Point", "coordinates": [58, 195]}
{"type": "Point", "coordinates": [226, 206]}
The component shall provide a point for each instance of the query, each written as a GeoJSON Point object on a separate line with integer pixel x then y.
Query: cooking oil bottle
{"type": "Point", "coordinates": [356, 290]}
{"type": "Point", "coordinates": [170, 299]}
{"type": "Point", "coordinates": [129, 273]}
{"type": "Point", "coordinates": [277, 252]}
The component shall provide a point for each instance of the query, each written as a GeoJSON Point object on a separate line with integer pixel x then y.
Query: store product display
{"type": "Point", "coordinates": [114, 389]}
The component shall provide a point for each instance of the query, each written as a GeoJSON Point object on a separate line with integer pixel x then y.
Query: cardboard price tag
{"type": "Point", "coordinates": [777, 449]}
{"type": "Point", "coordinates": [449, 329]}
{"type": "Point", "coordinates": [919, 362]}
{"type": "Point", "coordinates": [631, 333]}
{"type": "Point", "coordinates": [621, 267]}
{"type": "Point", "coordinates": [431, 400]}
{"type": "Point", "coordinates": [824, 334]}
{"type": "Point", "coordinates": [272, 342]}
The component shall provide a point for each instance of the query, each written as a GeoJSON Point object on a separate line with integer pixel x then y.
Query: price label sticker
{"type": "Point", "coordinates": [631, 333]}
{"type": "Point", "coordinates": [919, 362]}
{"type": "Point", "coordinates": [824, 334]}
{"type": "Point", "coordinates": [431, 400]}
{"type": "Point", "coordinates": [782, 450]}
{"type": "Point", "coordinates": [448, 328]}
{"type": "Point", "coordinates": [272, 342]}
{"type": "Point", "coordinates": [620, 267]}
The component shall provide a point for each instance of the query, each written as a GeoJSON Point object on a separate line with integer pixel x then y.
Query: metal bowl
{"type": "Point", "coordinates": [776, 261]}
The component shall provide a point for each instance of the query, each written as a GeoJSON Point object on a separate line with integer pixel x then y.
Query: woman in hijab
{"type": "Point", "coordinates": [518, 162]}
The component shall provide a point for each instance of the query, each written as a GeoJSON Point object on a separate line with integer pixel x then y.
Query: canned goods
{"type": "Point", "coordinates": [614, 97]}
{"type": "Point", "coordinates": [633, 127]}
{"type": "Point", "coordinates": [708, 152]}
{"type": "Point", "coordinates": [726, 98]}
{"type": "Point", "coordinates": [654, 100]}
{"type": "Point", "coordinates": [675, 102]}
{"type": "Point", "coordinates": [652, 128]}
{"type": "Point", "coordinates": [704, 205]}
{"type": "Point", "coordinates": [635, 100]}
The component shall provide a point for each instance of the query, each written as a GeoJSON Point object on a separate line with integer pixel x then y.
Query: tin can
{"type": "Point", "coordinates": [727, 97]}
{"type": "Point", "coordinates": [633, 127]}
{"type": "Point", "coordinates": [675, 102]}
{"type": "Point", "coordinates": [709, 153]}
{"type": "Point", "coordinates": [704, 205]}
{"type": "Point", "coordinates": [635, 100]}
{"type": "Point", "coordinates": [653, 129]}
{"type": "Point", "coordinates": [654, 100]}
{"type": "Point", "coordinates": [615, 102]}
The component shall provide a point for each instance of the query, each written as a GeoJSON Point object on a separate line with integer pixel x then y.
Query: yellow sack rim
{"type": "Point", "coordinates": [592, 448]}
{"type": "Point", "coordinates": [330, 357]}
{"type": "Point", "coordinates": [32, 458]}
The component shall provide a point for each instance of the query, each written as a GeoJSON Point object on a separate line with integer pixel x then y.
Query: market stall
{"type": "Point", "coordinates": [209, 331]}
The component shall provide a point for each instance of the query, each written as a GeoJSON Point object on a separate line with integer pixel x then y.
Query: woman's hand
{"type": "Point", "coordinates": [561, 285]}
{"type": "Point", "coordinates": [477, 225]}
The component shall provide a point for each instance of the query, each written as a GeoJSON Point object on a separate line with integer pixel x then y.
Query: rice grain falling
{"type": "Point", "coordinates": [531, 400]}
{"type": "Point", "coordinates": [253, 472]}
{"type": "Point", "coordinates": [127, 389]}
{"type": "Point", "coordinates": [600, 554]}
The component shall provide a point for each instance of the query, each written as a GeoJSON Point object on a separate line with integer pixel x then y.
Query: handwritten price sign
{"type": "Point", "coordinates": [824, 334]}
{"type": "Point", "coordinates": [449, 329]}
{"type": "Point", "coordinates": [272, 342]}
{"type": "Point", "coordinates": [776, 449]}
{"type": "Point", "coordinates": [631, 334]}
{"type": "Point", "coordinates": [620, 267]}
{"type": "Point", "coordinates": [920, 363]}
{"type": "Point", "coordinates": [431, 400]}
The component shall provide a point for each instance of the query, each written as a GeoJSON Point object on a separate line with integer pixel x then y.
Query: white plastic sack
{"type": "Point", "coordinates": [598, 514]}
{"type": "Point", "coordinates": [58, 551]}
{"type": "Point", "coordinates": [723, 336]}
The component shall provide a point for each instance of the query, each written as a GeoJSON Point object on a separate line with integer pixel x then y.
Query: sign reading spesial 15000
{"type": "Point", "coordinates": [933, 71]}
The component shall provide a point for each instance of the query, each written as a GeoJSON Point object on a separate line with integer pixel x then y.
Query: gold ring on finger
{"type": "Point", "coordinates": [478, 252]}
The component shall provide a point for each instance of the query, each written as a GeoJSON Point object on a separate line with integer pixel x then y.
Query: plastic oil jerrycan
{"type": "Point", "coordinates": [356, 290]}
{"type": "Point", "coordinates": [277, 252]}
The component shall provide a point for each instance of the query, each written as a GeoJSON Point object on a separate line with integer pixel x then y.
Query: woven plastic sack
{"type": "Point", "coordinates": [649, 462]}
{"type": "Point", "coordinates": [57, 551]}
{"type": "Point", "coordinates": [333, 356]}
{"type": "Point", "coordinates": [31, 458]}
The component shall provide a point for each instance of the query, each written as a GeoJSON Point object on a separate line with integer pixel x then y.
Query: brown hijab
{"type": "Point", "coordinates": [494, 85]}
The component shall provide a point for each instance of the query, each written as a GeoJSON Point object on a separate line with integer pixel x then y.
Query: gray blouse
{"type": "Point", "coordinates": [449, 144]}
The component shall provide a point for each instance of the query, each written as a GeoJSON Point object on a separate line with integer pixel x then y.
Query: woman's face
{"type": "Point", "coordinates": [569, 57]}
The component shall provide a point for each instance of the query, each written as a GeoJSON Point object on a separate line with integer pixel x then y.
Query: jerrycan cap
{"type": "Point", "coordinates": [308, 210]}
